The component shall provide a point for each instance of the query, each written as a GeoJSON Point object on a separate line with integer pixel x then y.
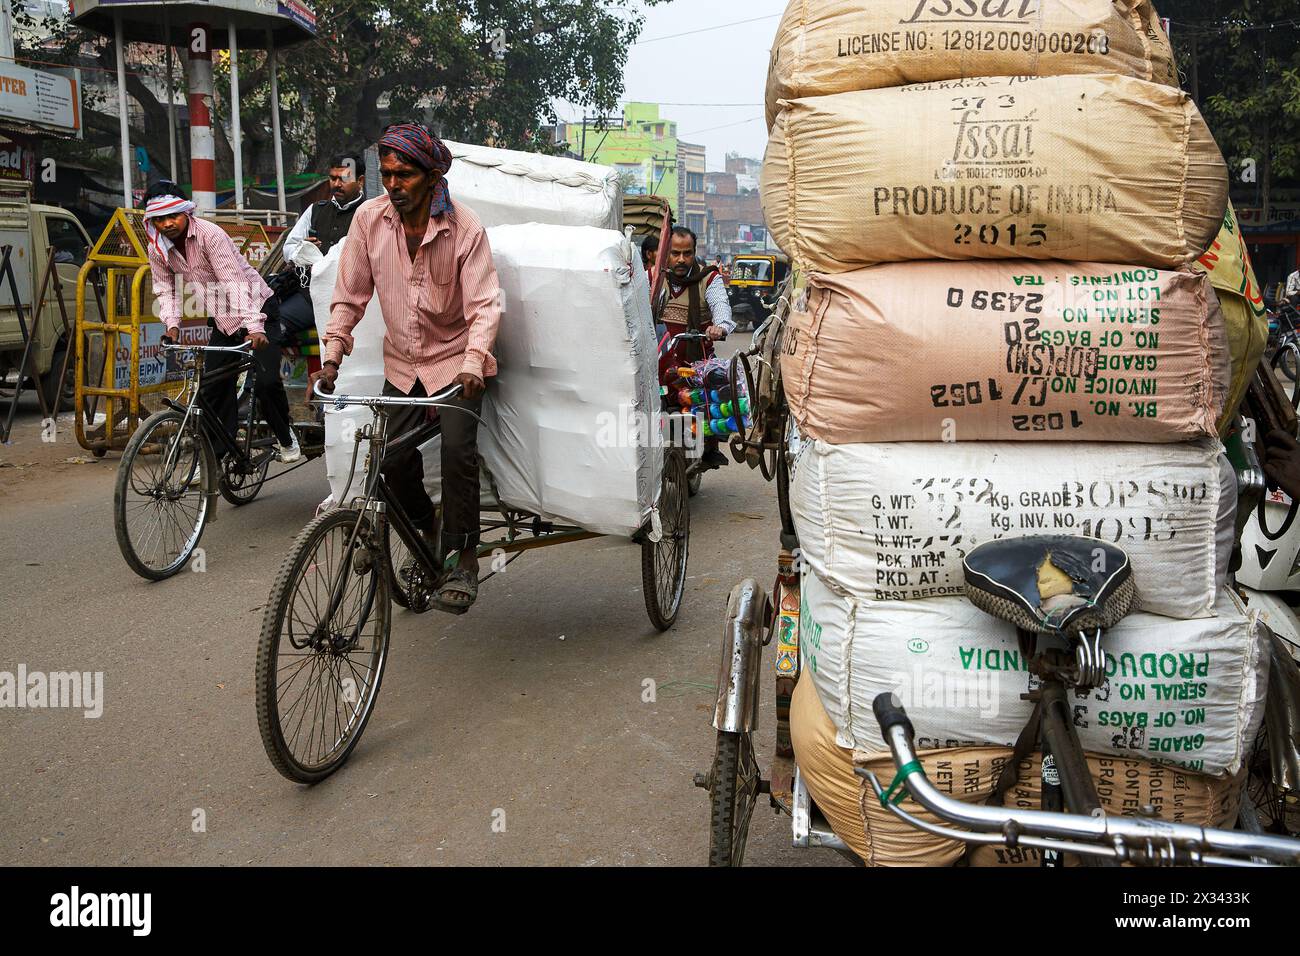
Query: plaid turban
{"type": "Point", "coordinates": [421, 148]}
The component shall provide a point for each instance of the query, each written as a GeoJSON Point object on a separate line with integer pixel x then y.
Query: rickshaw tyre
{"type": "Point", "coordinates": [282, 591]}
{"type": "Point", "coordinates": [725, 775]}
{"type": "Point", "coordinates": [676, 461]}
{"type": "Point", "coordinates": [122, 480]}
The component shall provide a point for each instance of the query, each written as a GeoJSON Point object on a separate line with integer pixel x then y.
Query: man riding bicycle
{"type": "Point", "coordinates": [695, 299]}
{"type": "Point", "coordinates": [430, 263]}
{"type": "Point", "coordinates": [190, 257]}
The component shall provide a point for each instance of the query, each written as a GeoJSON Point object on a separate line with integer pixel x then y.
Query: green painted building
{"type": "Point", "coordinates": [641, 145]}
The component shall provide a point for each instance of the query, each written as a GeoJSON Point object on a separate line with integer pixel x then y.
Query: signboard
{"type": "Point", "coordinates": [244, 14]}
{"type": "Point", "coordinates": [1282, 217]}
{"type": "Point", "coordinates": [17, 160]}
{"type": "Point", "coordinates": [38, 97]}
{"type": "Point", "coordinates": [300, 13]}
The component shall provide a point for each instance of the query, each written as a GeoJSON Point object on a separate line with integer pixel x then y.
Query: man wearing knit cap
{"type": "Point", "coordinates": [429, 262]}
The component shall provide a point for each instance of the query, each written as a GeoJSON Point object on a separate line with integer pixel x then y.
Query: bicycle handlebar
{"type": "Point", "coordinates": [177, 347]}
{"type": "Point", "coordinates": [1141, 840]}
{"type": "Point", "coordinates": [431, 401]}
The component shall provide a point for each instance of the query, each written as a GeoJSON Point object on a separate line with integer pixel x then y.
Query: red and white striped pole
{"type": "Point", "coordinates": [203, 156]}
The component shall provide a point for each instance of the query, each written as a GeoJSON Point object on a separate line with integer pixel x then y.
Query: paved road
{"type": "Point", "coordinates": [531, 704]}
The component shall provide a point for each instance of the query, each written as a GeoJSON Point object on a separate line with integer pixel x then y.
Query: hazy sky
{"type": "Point", "coordinates": [727, 65]}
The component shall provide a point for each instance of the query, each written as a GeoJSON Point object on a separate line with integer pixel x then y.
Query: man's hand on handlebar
{"type": "Point", "coordinates": [716, 333]}
{"type": "Point", "coordinates": [258, 340]}
{"type": "Point", "coordinates": [171, 337]}
{"type": "Point", "coordinates": [471, 385]}
{"type": "Point", "coordinates": [325, 378]}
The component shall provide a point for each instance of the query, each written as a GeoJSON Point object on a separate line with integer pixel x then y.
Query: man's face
{"type": "Point", "coordinates": [681, 256]}
{"type": "Point", "coordinates": [407, 185]}
{"type": "Point", "coordinates": [344, 184]}
{"type": "Point", "coordinates": [173, 227]}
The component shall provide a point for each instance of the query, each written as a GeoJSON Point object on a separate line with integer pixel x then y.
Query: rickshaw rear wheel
{"type": "Point", "coordinates": [733, 792]}
{"type": "Point", "coordinates": [663, 562]}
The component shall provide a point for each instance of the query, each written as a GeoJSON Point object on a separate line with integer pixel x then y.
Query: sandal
{"type": "Point", "coordinates": [460, 589]}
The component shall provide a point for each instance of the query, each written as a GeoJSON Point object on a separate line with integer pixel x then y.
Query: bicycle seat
{"type": "Point", "coordinates": [1051, 583]}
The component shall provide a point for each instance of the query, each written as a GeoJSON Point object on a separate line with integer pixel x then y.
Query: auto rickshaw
{"type": "Point", "coordinates": [753, 287]}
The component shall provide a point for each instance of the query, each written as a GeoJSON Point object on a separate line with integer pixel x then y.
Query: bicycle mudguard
{"type": "Point", "coordinates": [748, 611]}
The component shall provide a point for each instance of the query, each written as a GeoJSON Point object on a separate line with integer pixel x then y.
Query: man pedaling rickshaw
{"type": "Point", "coordinates": [695, 299]}
{"type": "Point", "coordinates": [429, 261]}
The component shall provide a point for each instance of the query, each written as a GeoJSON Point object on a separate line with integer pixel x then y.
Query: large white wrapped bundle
{"type": "Point", "coordinates": [893, 521]}
{"type": "Point", "coordinates": [1181, 692]}
{"type": "Point", "coordinates": [505, 187]}
{"type": "Point", "coordinates": [571, 414]}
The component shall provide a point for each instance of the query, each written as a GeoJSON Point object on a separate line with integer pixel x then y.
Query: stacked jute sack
{"type": "Point", "coordinates": [997, 205]}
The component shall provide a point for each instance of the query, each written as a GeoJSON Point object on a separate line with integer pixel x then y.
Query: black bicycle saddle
{"type": "Point", "coordinates": [1051, 583]}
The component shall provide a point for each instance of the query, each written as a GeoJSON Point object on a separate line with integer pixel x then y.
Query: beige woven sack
{"type": "Point", "coordinates": [1077, 168]}
{"type": "Point", "coordinates": [834, 46]}
{"type": "Point", "coordinates": [1006, 351]}
{"type": "Point", "coordinates": [1124, 786]}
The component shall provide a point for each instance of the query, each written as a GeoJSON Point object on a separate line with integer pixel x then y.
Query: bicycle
{"type": "Point", "coordinates": [181, 458]}
{"type": "Point", "coordinates": [325, 632]}
{"type": "Point", "coordinates": [1004, 578]}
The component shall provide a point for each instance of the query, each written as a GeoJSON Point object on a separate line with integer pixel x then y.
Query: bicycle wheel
{"type": "Point", "coordinates": [663, 562]}
{"type": "Point", "coordinates": [1285, 361]}
{"type": "Point", "coordinates": [241, 479]}
{"type": "Point", "coordinates": [324, 643]}
{"type": "Point", "coordinates": [733, 785]}
{"type": "Point", "coordinates": [160, 505]}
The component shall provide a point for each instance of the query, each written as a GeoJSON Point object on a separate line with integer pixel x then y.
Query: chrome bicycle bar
{"type": "Point", "coordinates": [242, 347]}
{"type": "Point", "coordinates": [436, 400]}
{"type": "Point", "coordinates": [1126, 838]}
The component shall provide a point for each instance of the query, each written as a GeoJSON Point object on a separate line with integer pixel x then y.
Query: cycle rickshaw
{"type": "Point", "coordinates": [325, 631]}
{"type": "Point", "coordinates": [995, 574]}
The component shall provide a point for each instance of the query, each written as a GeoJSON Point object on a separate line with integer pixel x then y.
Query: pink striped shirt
{"type": "Point", "coordinates": [214, 276]}
{"type": "Point", "coordinates": [441, 311]}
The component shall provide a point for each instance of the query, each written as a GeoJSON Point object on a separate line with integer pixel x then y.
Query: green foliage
{"type": "Point", "coordinates": [1247, 71]}
{"type": "Point", "coordinates": [482, 71]}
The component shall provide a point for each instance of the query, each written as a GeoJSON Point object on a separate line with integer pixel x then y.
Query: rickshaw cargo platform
{"type": "Point", "coordinates": [1124, 785]}
{"type": "Point", "coordinates": [891, 522]}
{"type": "Point", "coordinates": [1076, 168]}
{"type": "Point", "coordinates": [506, 186]}
{"type": "Point", "coordinates": [835, 46]}
{"type": "Point", "coordinates": [1187, 693]}
{"type": "Point", "coordinates": [571, 420]}
{"type": "Point", "coordinates": [1013, 351]}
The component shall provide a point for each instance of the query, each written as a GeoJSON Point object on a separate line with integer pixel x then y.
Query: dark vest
{"type": "Point", "coordinates": [330, 223]}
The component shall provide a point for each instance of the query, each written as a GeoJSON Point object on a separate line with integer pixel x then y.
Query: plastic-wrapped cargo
{"type": "Point", "coordinates": [891, 522]}
{"type": "Point", "coordinates": [508, 187]}
{"type": "Point", "coordinates": [1124, 786]}
{"type": "Point", "coordinates": [1008, 351]}
{"type": "Point", "coordinates": [1077, 168]}
{"type": "Point", "coordinates": [573, 424]}
{"type": "Point", "coordinates": [835, 46]}
{"type": "Point", "coordinates": [1188, 693]}
{"type": "Point", "coordinates": [572, 416]}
